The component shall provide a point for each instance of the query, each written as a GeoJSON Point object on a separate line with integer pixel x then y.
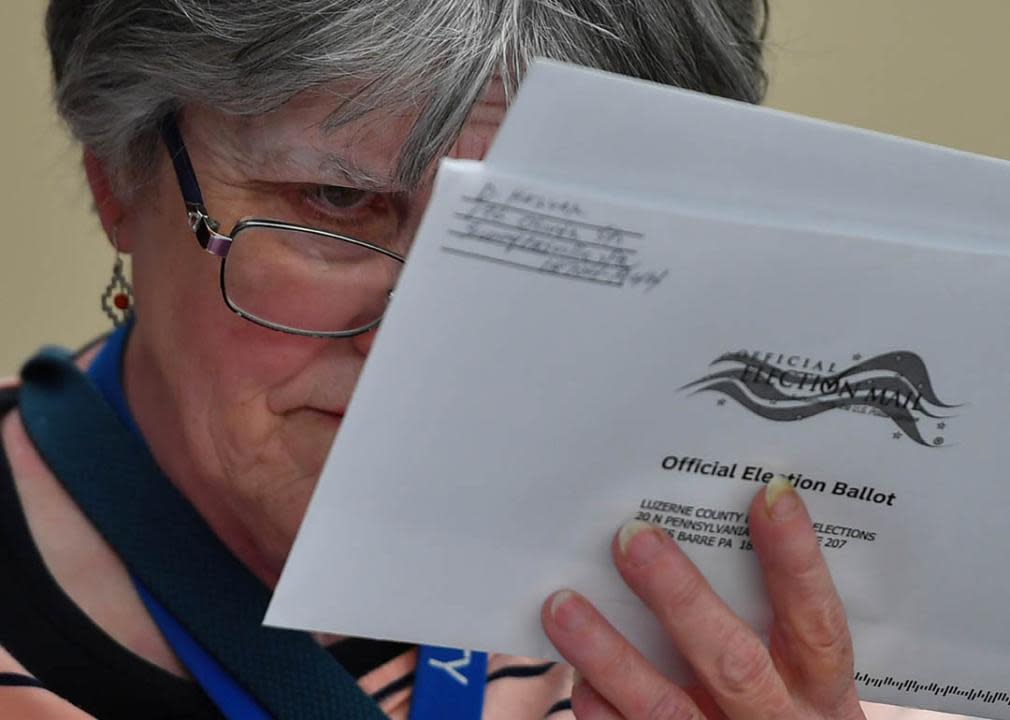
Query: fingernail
{"type": "Point", "coordinates": [639, 542]}
{"type": "Point", "coordinates": [781, 499]}
{"type": "Point", "coordinates": [568, 610]}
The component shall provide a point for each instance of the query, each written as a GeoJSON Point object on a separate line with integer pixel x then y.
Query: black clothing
{"type": "Point", "coordinates": [61, 646]}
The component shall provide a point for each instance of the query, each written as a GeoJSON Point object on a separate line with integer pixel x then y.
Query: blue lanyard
{"type": "Point", "coordinates": [449, 683]}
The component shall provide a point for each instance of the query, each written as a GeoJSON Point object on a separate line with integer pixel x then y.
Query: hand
{"type": "Point", "coordinates": [805, 674]}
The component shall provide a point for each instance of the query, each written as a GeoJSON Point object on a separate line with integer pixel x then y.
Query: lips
{"type": "Point", "coordinates": [332, 413]}
{"type": "Point", "coordinates": [333, 416]}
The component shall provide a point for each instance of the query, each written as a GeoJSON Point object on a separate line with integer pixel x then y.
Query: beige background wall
{"type": "Point", "coordinates": [929, 69]}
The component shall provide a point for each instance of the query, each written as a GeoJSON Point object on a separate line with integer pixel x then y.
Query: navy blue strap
{"type": "Point", "coordinates": [9, 679]}
{"type": "Point", "coordinates": [180, 162]}
{"type": "Point", "coordinates": [171, 551]}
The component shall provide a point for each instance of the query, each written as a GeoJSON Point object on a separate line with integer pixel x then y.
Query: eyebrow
{"type": "Point", "coordinates": [334, 168]}
{"type": "Point", "coordinates": [359, 177]}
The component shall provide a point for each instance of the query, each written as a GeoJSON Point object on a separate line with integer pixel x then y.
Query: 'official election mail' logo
{"type": "Point", "coordinates": [784, 388]}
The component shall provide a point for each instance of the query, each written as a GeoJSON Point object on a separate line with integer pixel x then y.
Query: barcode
{"type": "Point", "coordinates": [916, 686]}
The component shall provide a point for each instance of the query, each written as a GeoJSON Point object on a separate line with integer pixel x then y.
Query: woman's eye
{"type": "Point", "coordinates": [342, 198]}
{"type": "Point", "coordinates": [342, 209]}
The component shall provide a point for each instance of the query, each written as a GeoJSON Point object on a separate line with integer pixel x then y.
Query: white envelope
{"type": "Point", "coordinates": [629, 352]}
{"type": "Point", "coordinates": [675, 149]}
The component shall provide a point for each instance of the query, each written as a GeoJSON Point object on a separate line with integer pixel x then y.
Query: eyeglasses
{"type": "Point", "coordinates": [288, 277]}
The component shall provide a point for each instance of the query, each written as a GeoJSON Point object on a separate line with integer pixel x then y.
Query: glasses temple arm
{"type": "Point", "coordinates": [202, 224]}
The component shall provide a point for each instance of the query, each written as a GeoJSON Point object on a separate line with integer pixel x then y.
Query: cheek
{"type": "Point", "coordinates": [263, 450]}
{"type": "Point", "coordinates": [178, 292]}
{"type": "Point", "coordinates": [221, 369]}
{"type": "Point", "coordinates": [245, 368]}
{"type": "Point", "coordinates": [267, 457]}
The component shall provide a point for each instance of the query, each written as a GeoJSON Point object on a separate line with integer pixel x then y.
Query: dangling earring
{"type": "Point", "coordinates": [117, 300]}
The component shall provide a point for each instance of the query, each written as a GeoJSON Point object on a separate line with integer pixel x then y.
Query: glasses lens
{"type": "Point", "coordinates": [300, 280]}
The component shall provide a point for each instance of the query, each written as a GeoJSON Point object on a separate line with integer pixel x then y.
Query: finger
{"type": "Point", "coordinates": [617, 671]}
{"type": "Point", "coordinates": [729, 659]}
{"type": "Point", "coordinates": [810, 636]}
{"type": "Point", "coordinates": [709, 708]}
{"type": "Point", "coordinates": [587, 704]}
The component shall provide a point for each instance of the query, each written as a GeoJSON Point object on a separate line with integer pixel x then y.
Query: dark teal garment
{"type": "Point", "coordinates": [58, 643]}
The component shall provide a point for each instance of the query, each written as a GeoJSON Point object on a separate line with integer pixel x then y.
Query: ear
{"type": "Point", "coordinates": [110, 210]}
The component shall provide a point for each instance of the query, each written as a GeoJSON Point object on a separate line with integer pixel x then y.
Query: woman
{"type": "Point", "coordinates": [331, 116]}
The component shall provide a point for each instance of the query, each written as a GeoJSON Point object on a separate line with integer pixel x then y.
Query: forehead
{"type": "Point", "coordinates": [301, 137]}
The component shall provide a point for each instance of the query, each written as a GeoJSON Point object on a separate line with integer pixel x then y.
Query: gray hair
{"type": "Point", "coordinates": [121, 65]}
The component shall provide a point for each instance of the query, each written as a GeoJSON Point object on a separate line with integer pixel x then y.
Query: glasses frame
{"type": "Point", "coordinates": [205, 229]}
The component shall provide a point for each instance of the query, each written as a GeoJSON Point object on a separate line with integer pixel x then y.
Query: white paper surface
{"type": "Point", "coordinates": [518, 406]}
{"type": "Point", "coordinates": [658, 145]}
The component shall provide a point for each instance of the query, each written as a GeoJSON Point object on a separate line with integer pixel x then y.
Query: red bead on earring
{"type": "Point", "coordinates": [118, 296]}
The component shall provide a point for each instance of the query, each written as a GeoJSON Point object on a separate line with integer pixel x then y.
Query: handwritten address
{"type": "Point", "coordinates": [544, 234]}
